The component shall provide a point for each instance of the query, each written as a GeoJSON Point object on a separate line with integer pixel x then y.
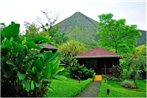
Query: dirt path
{"type": "Point", "coordinates": [91, 90]}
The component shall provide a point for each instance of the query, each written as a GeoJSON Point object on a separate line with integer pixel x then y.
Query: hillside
{"type": "Point", "coordinates": [82, 28]}
{"type": "Point", "coordinates": [79, 27]}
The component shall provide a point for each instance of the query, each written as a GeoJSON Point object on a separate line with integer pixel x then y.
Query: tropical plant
{"type": "Point", "coordinates": [25, 71]}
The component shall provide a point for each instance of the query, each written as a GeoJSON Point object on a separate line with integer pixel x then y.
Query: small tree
{"type": "Point", "coordinates": [69, 50]}
{"type": "Point", "coordinates": [72, 48]}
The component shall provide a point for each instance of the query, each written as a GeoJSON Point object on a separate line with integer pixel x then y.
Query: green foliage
{"type": "Point", "coordinates": [78, 71]}
{"type": "Point", "coordinates": [141, 50]}
{"type": "Point", "coordinates": [134, 66]}
{"type": "Point", "coordinates": [49, 34]}
{"type": "Point", "coordinates": [126, 74]}
{"type": "Point", "coordinates": [34, 34]}
{"type": "Point", "coordinates": [128, 84]}
{"type": "Point", "coordinates": [31, 29]}
{"type": "Point", "coordinates": [67, 60]}
{"type": "Point", "coordinates": [115, 34]}
{"type": "Point", "coordinates": [57, 37]}
{"type": "Point", "coordinates": [72, 48]}
{"type": "Point", "coordinates": [11, 31]}
{"type": "Point", "coordinates": [40, 39]}
{"type": "Point", "coordinates": [25, 71]}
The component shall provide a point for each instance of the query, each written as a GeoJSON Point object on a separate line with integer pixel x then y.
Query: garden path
{"type": "Point", "coordinates": [92, 89]}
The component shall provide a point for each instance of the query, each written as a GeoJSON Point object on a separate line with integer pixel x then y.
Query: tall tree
{"type": "Point", "coordinates": [72, 48]}
{"type": "Point", "coordinates": [116, 35]}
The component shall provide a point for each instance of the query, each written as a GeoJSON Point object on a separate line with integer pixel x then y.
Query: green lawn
{"type": "Point", "coordinates": [116, 90]}
{"type": "Point", "coordinates": [67, 87]}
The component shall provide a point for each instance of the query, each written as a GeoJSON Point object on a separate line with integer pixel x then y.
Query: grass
{"type": "Point", "coordinates": [67, 87]}
{"type": "Point", "coordinates": [116, 90]}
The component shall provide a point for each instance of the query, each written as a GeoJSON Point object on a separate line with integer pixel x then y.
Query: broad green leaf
{"type": "Point", "coordinates": [6, 43]}
{"type": "Point", "coordinates": [39, 75]}
{"type": "Point", "coordinates": [47, 72]}
{"type": "Point", "coordinates": [21, 76]}
{"type": "Point", "coordinates": [26, 85]}
{"type": "Point", "coordinates": [33, 69]}
{"type": "Point", "coordinates": [51, 56]}
{"type": "Point", "coordinates": [9, 62]}
{"type": "Point", "coordinates": [50, 89]}
{"type": "Point", "coordinates": [47, 80]}
{"type": "Point", "coordinates": [32, 45]}
{"type": "Point", "coordinates": [11, 31]}
{"type": "Point", "coordinates": [38, 64]}
{"type": "Point", "coordinates": [59, 77]}
{"type": "Point", "coordinates": [32, 85]}
{"type": "Point", "coordinates": [37, 85]}
{"type": "Point", "coordinates": [60, 69]}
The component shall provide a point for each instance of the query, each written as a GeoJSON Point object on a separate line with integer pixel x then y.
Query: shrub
{"type": "Point", "coordinates": [128, 84]}
{"type": "Point", "coordinates": [126, 74]}
{"type": "Point", "coordinates": [78, 71]}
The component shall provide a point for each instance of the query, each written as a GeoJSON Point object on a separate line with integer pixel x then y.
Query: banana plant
{"type": "Point", "coordinates": [25, 71]}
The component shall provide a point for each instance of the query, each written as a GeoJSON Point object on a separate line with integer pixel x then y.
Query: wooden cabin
{"type": "Point", "coordinates": [99, 59]}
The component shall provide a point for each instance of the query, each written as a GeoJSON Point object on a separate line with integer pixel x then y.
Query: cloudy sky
{"type": "Point", "coordinates": [134, 11]}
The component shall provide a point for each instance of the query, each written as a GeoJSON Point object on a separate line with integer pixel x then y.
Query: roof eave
{"type": "Point", "coordinates": [97, 57]}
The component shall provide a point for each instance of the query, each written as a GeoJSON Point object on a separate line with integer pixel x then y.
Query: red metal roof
{"type": "Point", "coordinates": [97, 52]}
